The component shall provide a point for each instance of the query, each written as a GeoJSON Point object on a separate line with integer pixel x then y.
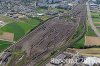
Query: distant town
{"type": "Point", "coordinates": [21, 8]}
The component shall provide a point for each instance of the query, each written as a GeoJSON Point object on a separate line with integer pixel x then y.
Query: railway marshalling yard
{"type": "Point", "coordinates": [50, 38]}
{"type": "Point", "coordinates": [52, 34]}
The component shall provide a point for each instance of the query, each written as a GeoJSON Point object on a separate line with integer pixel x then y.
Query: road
{"type": "Point", "coordinates": [91, 22]}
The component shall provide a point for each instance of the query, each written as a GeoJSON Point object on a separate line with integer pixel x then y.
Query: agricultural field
{"type": "Point", "coordinates": [90, 52]}
{"type": "Point", "coordinates": [97, 26]}
{"type": "Point", "coordinates": [97, 23]}
{"type": "Point", "coordinates": [90, 32]}
{"type": "Point", "coordinates": [95, 16]}
{"type": "Point", "coordinates": [91, 41]}
{"type": "Point", "coordinates": [4, 44]}
{"type": "Point", "coordinates": [6, 19]}
{"type": "Point", "coordinates": [40, 10]}
{"type": "Point", "coordinates": [19, 28]}
{"type": "Point", "coordinates": [45, 17]}
{"type": "Point", "coordinates": [7, 36]}
{"type": "Point", "coordinates": [98, 29]}
{"type": "Point", "coordinates": [80, 43]}
{"type": "Point", "coordinates": [14, 28]}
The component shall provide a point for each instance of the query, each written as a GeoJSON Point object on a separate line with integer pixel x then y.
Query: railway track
{"type": "Point", "coordinates": [52, 34]}
{"type": "Point", "coordinates": [43, 40]}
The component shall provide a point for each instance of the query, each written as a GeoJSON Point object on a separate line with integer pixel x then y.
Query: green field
{"type": "Point", "coordinates": [97, 24]}
{"type": "Point", "coordinates": [95, 16]}
{"type": "Point", "coordinates": [90, 32]}
{"type": "Point", "coordinates": [14, 28]}
{"type": "Point", "coordinates": [4, 44]}
{"type": "Point", "coordinates": [28, 24]}
{"type": "Point", "coordinates": [80, 43]}
{"type": "Point", "coordinates": [20, 28]}
{"type": "Point", "coordinates": [98, 29]}
{"type": "Point", "coordinates": [40, 10]}
{"type": "Point", "coordinates": [96, 19]}
{"type": "Point", "coordinates": [45, 17]}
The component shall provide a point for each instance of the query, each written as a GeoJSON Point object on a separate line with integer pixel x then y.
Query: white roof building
{"type": "Point", "coordinates": [58, 60]}
{"type": "Point", "coordinates": [91, 61]}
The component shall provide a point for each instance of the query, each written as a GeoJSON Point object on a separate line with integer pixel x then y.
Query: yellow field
{"type": "Point", "coordinates": [90, 52]}
{"type": "Point", "coordinates": [97, 22]}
